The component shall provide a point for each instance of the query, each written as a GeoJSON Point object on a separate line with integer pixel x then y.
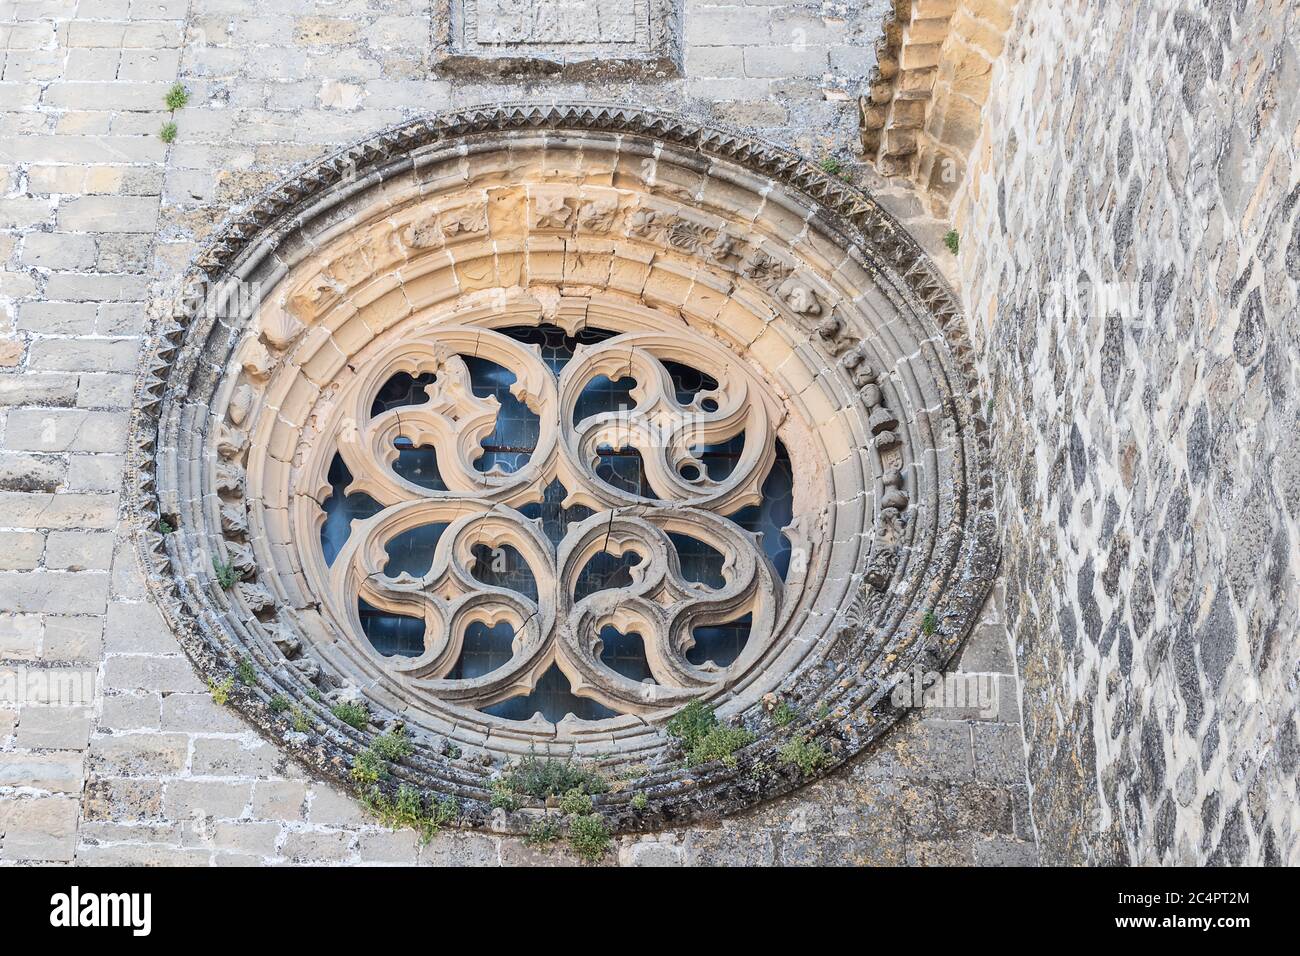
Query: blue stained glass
{"type": "Point", "coordinates": [393, 635]}
{"type": "Point", "coordinates": [341, 510]}
{"type": "Point", "coordinates": [624, 653]}
{"type": "Point", "coordinates": [699, 562]}
{"type": "Point", "coordinates": [504, 567]}
{"type": "Point", "coordinates": [517, 428]}
{"type": "Point", "coordinates": [553, 697]}
{"type": "Point", "coordinates": [720, 643]}
{"type": "Point", "coordinates": [483, 650]}
{"type": "Point", "coordinates": [412, 551]}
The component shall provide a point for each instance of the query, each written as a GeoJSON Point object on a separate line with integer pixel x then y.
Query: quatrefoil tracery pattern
{"type": "Point", "coordinates": [481, 507]}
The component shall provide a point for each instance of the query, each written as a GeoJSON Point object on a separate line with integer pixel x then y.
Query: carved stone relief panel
{"type": "Point", "coordinates": [582, 39]}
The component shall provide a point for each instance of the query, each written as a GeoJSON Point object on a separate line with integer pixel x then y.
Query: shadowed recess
{"type": "Point", "coordinates": [341, 510]}
{"type": "Point", "coordinates": [504, 567]}
{"type": "Point", "coordinates": [401, 390]}
{"type": "Point", "coordinates": [605, 571]}
{"type": "Point", "coordinates": [720, 643]}
{"type": "Point", "coordinates": [554, 344]}
{"type": "Point", "coordinates": [483, 650]}
{"type": "Point", "coordinates": [517, 428]}
{"type": "Point", "coordinates": [775, 513]}
{"type": "Point", "coordinates": [553, 698]}
{"type": "Point", "coordinates": [624, 653]}
{"type": "Point", "coordinates": [555, 518]}
{"type": "Point", "coordinates": [393, 635]}
{"type": "Point", "coordinates": [412, 551]}
{"type": "Point", "coordinates": [700, 562]}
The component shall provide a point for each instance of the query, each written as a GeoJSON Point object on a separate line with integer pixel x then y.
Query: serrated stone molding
{"type": "Point", "coordinates": [824, 319]}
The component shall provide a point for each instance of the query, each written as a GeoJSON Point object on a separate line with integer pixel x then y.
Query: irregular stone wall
{"type": "Point", "coordinates": [1130, 256]}
{"type": "Point", "coordinates": [98, 214]}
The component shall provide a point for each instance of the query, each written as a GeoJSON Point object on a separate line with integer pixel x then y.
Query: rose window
{"type": "Point", "coordinates": [527, 428]}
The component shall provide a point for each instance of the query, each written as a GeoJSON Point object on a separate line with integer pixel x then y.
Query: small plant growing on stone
{"type": "Point", "coordinates": [392, 746]}
{"type": "Point", "coordinates": [691, 723]}
{"type": "Point", "coordinates": [720, 743]}
{"type": "Point", "coordinates": [640, 802]}
{"type": "Point", "coordinates": [575, 803]}
{"type": "Point", "coordinates": [168, 132]}
{"type": "Point", "coordinates": [453, 752]}
{"type": "Point", "coordinates": [589, 837]}
{"type": "Point", "coordinates": [833, 167]}
{"type": "Point", "coordinates": [368, 768]}
{"type": "Point", "coordinates": [783, 715]}
{"type": "Point", "coordinates": [165, 526]}
{"type": "Point", "coordinates": [176, 98]}
{"type": "Point", "coordinates": [696, 727]}
{"type": "Point", "coordinates": [227, 575]}
{"type": "Point", "coordinates": [823, 711]}
{"type": "Point", "coordinates": [278, 704]}
{"type": "Point", "coordinates": [410, 809]}
{"type": "Point", "coordinates": [301, 722]}
{"type": "Point", "coordinates": [352, 714]}
{"type": "Point", "coordinates": [542, 833]}
{"type": "Point", "coordinates": [247, 673]}
{"type": "Point", "coordinates": [503, 797]}
{"type": "Point", "coordinates": [952, 240]}
{"type": "Point", "coordinates": [929, 621]}
{"type": "Point", "coordinates": [221, 690]}
{"type": "Point", "coordinates": [808, 755]}
{"type": "Point", "coordinates": [314, 694]}
{"type": "Point", "coordinates": [553, 778]}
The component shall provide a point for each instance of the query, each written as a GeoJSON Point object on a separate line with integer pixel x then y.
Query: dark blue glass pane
{"type": "Point", "coordinates": [418, 465]}
{"type": "Point", "coordinates": [605, 571]}
{"type": "Point", "coordinates": [412, 551]}
{"type": "Point", "coordinates": [720, 643]}
{"type": "Point", "coordinates": [341, 510]}
{"type": "Point", "coordinates": [400, 390]}
{"type": "Point", "coordinates": [688, 382]}
{"type": "Point", "coordinates": [623, 469]}
{"type": "Point", "coordinates": [483, 651]}
{"type": "Point", "coordinates": [392, 634]}
{"type": "Point", "coordinates": [720, 459]}
{"type": "Point", "coordinates": [504, 567]}
{"type": "Point", "coordinates": [776, 511]}
{"type": "Point", "coordinates": [556, 345]}
{"type": "Point", "coordinates": [699, 561]}
{"type": "Point", "coordinates": [602, 394]}
{"type": "Point", "coordinates": [517, 428]}
{"type": "Point", "coordinates": [624, 653]}
{"type": "Point", "coordinates": [553, 697]}
{"type": "Point", "coordinates": [556, 519]}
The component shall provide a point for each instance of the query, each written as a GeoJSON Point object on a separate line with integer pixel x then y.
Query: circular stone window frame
{"type": "Point", "coordinates": [841, 696]}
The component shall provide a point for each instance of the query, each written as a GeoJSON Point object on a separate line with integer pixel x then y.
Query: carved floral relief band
{"type": "Point", "coordinates": [442, 247]}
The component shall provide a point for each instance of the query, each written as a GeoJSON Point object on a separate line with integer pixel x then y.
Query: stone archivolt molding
{"type": "Point", "coordinates": [820, 320]}
{"type": "Point", "coordinates": [922, 113]}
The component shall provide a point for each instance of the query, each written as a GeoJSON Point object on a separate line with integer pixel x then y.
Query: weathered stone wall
{"type": "Point", "coordinates": [1146, 423]}
{"type": "Point", "coordinates": [98, 214]}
